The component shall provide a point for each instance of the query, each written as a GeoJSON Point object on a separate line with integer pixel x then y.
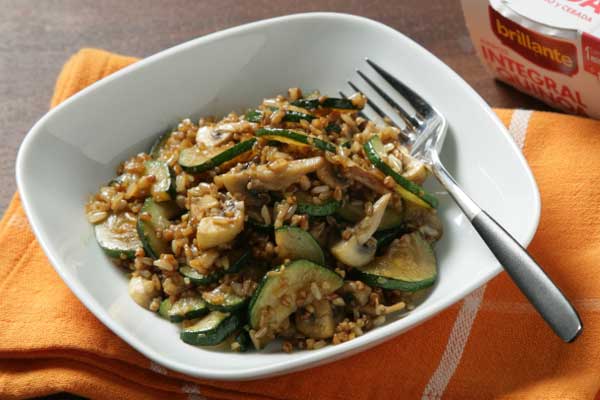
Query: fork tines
{"type": "Point", "coordinates": [413, 120]}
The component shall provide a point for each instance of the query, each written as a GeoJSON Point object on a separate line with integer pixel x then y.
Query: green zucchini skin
{"type": "Point", "coordinates": [296, 116]}
{"type": "Point", "coordinates": [386, 237]}
{"type": "Point", "coordinates": [390, 283]}
{"type": "Point", "coordinates": [297, 244]}
{"type": "Point", "coordinates": [306, 206]}
{"type": "Point", "coordinates": [329, 207]}
{"type": "Point", "coordinates": [212, 329]}
{"type": "Point", "coordinates": [329, 102]}
{"type": "Point", "coordinates": [243, 338]}
{"type": "Point", "coordinates": [290, 136]}
{"type": "Point", "coordinates": [160, 214]}
{"type": "Point", "coordinates": [409, 264]}
{"type": "Point", "coordinates": [336, 129]}
{"type": "Point", "coordinates": [372, 149]}
{"type": "Point", "coordinates": [232, 303]}
{"type": "Point", "coordinates": [114, 244]}
{"type": "Point", "coordinates": [254, 116]}
{"type": "Point", "coordinates": [165, 306]}
{"type": "Point", "coordinates": [195, 163]}
{"type": "Point", "coordinates": [290, 116]}
{"type": "Point", "coordinates": [182, 309]}
{"type": "Point", "coordinates": [298, 275]}
{"type": "Point", "coordinates": [164, 187]}
{"type": "Point", "coordinates": [187, 308]}
{"type": "Point", "coordinates": [196, 277]}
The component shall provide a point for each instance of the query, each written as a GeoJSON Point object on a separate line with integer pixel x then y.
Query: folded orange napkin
{"type": "Point", "coordinates": [491, 345]}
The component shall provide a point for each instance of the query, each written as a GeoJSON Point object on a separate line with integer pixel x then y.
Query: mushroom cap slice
{"type": "Point", "coordinates": [360, 249]}
{"type": "Point", "coordinates": [142, 291]}
{"type": "Point", "coordinates": [265, 178]}
{"type": "Point", "coordinates": [215, 230]}
{"type": "Point", "coordinates": [354, 254]}
{"type": "Point", "coordinates": [330, 177]}
{"type": "Point", "coordinates": [320, 324]}
{"type": "Point", "coordinates": [369, 224]}
{"type": "Point", "coordinates": [216, 135]}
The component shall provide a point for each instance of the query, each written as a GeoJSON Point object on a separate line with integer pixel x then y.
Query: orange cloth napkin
{"type": "Point", "coordinates": [491, 345]}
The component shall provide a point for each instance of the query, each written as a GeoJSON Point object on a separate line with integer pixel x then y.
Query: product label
{"type": "Point", "coordinates": [532, 80]}
{"type": "Point", "coordinates": [549, 53]}
{"type": "Point", "coordinates": [590, 46]}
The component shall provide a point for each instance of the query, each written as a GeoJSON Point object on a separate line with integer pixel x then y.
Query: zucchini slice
{"type": "Point", "coordinates": [318, 210]}
{"type": "Point", "coordinates": [196, 277]}
{"type": "Point", "coordinates": [218, 300]}
{"type": "Point", "coordinates": [185, 308]}
{"type": "Point", "coordinates": [295, 243]}
{"type": "Point", "coordinates": [298, 276]}
{"type": "Point", "coordinates": [159, 145]}
{"type": "Point", "coordinates": [329, 102]}
{"type": "Point", "coordinates": [243, 339]}
{"type": "Point", "coordinates": [337, 129]}
{"type": "Point", "coordinates": [409, 264]}
{"type": "Point", "coordinates": [254, 116]}
{"type": "Point", "coordinates": [306, 206]}
{"type": "Point", "coordinates": [290, 116]}
{"type": "Point", "coordinates": [117, 235]}
{"type": "Point", "coordinates": [386, 237]}
{"type": "Point", "coordinates": [320, 324]}
{"type": "Point", "coordinates": [164, 187]}
{"type": "Point", "coordinates": [237, 260]}
{"type": "Point", "coordinates": [296, 138]}
{"type": "Point", "coordinates": [296, 116]}
{"type": "Point", "coordinates": [195, 160]}
{"type": "Point", "coordinates": [211, 330]}
{"type": "Point", "coordinates": [160, 214]}
{"type": "Point", "coordinates": [164, 308]}
{"type": "Point", "coordinates": [407, 189]}
{"type": "Point", "coordinates": [352, 212]}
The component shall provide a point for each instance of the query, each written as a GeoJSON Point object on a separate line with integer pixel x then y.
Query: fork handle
{"type": "Point", "coordinates": [545, 296]}
{"type": "Point", "coordinates": [533, 282]}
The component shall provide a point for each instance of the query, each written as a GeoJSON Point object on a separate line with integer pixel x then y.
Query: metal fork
{"type": "Point", "coordinates": [424, 134]}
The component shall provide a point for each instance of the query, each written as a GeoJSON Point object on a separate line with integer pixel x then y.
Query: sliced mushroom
{"type": "Point", "coordinates": [199, 205]}
{"type": "Point", "coordinates": [360, 248]}
{"type": "Point", "coordinates": [215, 135]}
{"type": "Point", "coordinates": [370, 179]}
{"type": "Point", "coordinates": [319, 324]}
{"type": "Point", "coordinates": [330, 177]}
{"type": "Point", "coordinates": [142, 291]}
{"type": "Point", "coordinates": [354, 254]}
{"type": "Point", "coordinates": [234, 181]}
{"type": "Point", "coordinates": [209, 136]}
{"type": "Point", "coordinates": [369, 224]}
{"type": "Point", "coordinates": [265, 178]}
{"type": "Point", "coordinates": [215, 230]}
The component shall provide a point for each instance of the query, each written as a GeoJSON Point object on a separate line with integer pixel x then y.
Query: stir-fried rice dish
{"type": "Point", "coordinates": [300, 223]}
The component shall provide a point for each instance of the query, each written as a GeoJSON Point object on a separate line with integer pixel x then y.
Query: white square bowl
{"type": "Point", "coordinates": [77, 146]}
